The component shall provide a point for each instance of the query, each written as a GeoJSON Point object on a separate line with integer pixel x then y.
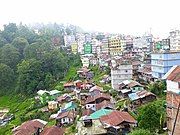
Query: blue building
{"type": "Point", "coordinates": [162, 62]}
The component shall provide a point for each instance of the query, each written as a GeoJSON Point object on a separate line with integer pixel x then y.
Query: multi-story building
{"type": "Point", "coordinates": [115, 46]}
{"type": "Point", "coordinates": [87, 48]}
{"type": "Point", "coordinates": [88, 38]}
{"type": "Point", "coordinates": [95, 43]}
{"type": "Point", "coordinates": [121, 73]}
{"type": "Point", "coordinates": [175, 40]}
{"type": "Point", "coordinates": [162, 62]}
{"type": "Point", "coordinates": [163, 45]}
{"type": "Point", "coordinates": [74, 47]}
{"type": "Point", "coordinates": [80, 41]}
{"type": "Point", "coordinates": [145, 42]}
{"type": "Point", "coordinates": [68, 40]}
{"type": "Point", "coordinates": [173, 100]}
{"type": "Point", "coordinates": [105, 46]}
{"type": "Point", "coordinates": [123, 44]}
{"type": "Point", "coordinates": [129, 43]}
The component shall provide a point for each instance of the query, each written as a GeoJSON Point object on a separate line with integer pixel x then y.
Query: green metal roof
{"type": "Point", "coordinates": [99, 113]}
{"type": "Point", "coordinates": [70, 105]}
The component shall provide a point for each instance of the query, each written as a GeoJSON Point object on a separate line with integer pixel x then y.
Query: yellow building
{"type": "Point", "coordinates": [74, 47]}
{"type": "Point", "coordinates": [115, 47]}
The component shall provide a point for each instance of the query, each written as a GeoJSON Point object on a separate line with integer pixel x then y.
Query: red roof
{"type": "Point", "coordinates": [87, 112]}
{"type": "Point", "coordinates": [174, 75]}
{"type": "Point", "coordinates": [68, 84]}
{"type": "Point", "coordinates": [104, 104]}
{"type": "Point", "coordinates": [28, 128]}
{"type": "Point", "coordinates": [98, 96]}
{"type": "Point", "coordinates": [69, 114]}
{"type": "Point", "coordinates": [54, 130]}
{"type": "Point", "coordinates": [116, 118]}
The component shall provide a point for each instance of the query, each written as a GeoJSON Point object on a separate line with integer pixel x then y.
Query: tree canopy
{"type": "Point", "coordinates": [33, 58]}
{"type": "Point", "coordinates": [6, 76]}
{"type": "Point", "coordinates": [152, 116]}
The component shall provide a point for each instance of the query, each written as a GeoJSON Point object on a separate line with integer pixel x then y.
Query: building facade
{"type": "Point", "coordinates": [173, 100]}
{"type": "Point", "coordinates": [115, 46]}
{"type": "Point", "coordinates": [74, 47]}
{"type": "Point", "coordinates": [162, 62]}
{"type": "Point", "coordinates": [105, 46]}
{"type": "Point", "coordinates": [175, 40]}
{"type": "Point", "coordinates": [121, 73]}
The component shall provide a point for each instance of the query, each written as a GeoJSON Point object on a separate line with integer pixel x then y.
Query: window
{"type": "Point", "coordinates": [126, 71]}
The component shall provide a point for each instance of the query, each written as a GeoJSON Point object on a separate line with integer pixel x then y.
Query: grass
{"type": "Point", "coordinates": [17, 105]}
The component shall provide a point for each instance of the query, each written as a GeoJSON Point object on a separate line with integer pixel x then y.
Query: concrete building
{"type": "Point", "coordinates": [129, 43]}
{"type": "Point", "coordinates": [175, 40]}
{"type": "Point", "coordinates": [145, 42]}
{"type": "Point", "coordinates": [163, 45]}
{"type": "Point", "coordinates": [74, 47]}
{"type": "Point", "coordinates": [121, 73]}
{"type": "Point", "coordinates": [173, 100]}
{"type": "Point", "coordinates": [123, 44]}
{"type": "Point", "coordinates": [87, 48]}
{"type": "Point", "coordinates": [68, 40]}
{"type": "Point", "coordinates": [94, 43]}
{"type": "Point", "coordinates": [115, 47]}
{"type": "Point", "coordinates": [80, 42]}
{"type": "Point", "coordinates": [105, 46]}
{"type": "Point", "coordinates": [162, 62]}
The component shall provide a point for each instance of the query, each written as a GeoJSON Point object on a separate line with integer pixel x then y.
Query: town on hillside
{"type": "Point", "coordinates": [122, 85]}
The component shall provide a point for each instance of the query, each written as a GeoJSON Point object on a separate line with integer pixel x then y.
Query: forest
{"type": "Point", "coordinates": [31, 60]}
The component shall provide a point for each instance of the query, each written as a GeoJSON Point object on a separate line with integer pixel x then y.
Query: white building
{"type": "Point", "coordinates": [175, 40]}
{"type": "Point", "coordinates": [143, 42]}
{"type": "Point", "coordinates": [80, 41]}
{"type": "Point", "coordinates": [120, 73]}
{"type": "Point", "coordinates": [68, 40]}
{"type": "Point", "coordinates": [104, 46]}
{"type": "Point", "coordinates": [85, 62]}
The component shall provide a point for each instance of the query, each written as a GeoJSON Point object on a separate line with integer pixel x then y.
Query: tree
{"type": "Point", "coordinates": [29, 76]}
{"type": "Point", "coordinates": [9, 56]}
{"type": "Point", "coordinates": [2, 41]}
{"type": "Point", "coordinates": [6, 76]}
{"type": "Point", "coordinates": [9, 32]}
{"type": "Point", "coordinates": [20, 44]}
{"type": "Point", "coordinates": [157, 87]}
{"type": "Point", "coordinates": [55, 64]}
{"type": "Point", "coordinates": [37, 50]}
{"type": "Point", "coordinates": [27, 33]}
{"type": "Point", "coordinates": [141, 132]}
{"type": "Point", "coordinates": [152, 116]}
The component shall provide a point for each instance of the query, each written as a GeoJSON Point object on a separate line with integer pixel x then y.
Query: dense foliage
{"type": "Point", "coordinates": [141, 132]}
{"type": "Point", "coordinates": [152, 116]}
{"type": "Point", "coordinates": [157, 88]}
{"type": "Point", "coordinates": [30, 61]}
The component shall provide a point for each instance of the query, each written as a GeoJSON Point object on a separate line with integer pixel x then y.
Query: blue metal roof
{"type": "Point", "coordinates": [133, 96]}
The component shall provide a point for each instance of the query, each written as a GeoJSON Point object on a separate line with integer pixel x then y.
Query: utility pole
{"type": "Point", "coordinates": [176, 119]}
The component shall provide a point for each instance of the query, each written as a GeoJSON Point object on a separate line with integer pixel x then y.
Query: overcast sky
{"type": "Point", "coordinates": [122, 16]}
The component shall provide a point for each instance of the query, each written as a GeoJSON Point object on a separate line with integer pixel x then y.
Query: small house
{"type": "Point", "coordinates": [141, 97]}
{"type": "Point", "coordinates": [52, 105]}
{"type": "Point", "coordinates": [118, 122]}
{"type": "Point", "coordinates": [100, 113]}
{"type": "Point", "coordinates": [31, 127]}
{"type": "Point", "coordinates": [69, 86]}
{"type": "Point", "coordinates": [87, 121]}
{"type": "Point", "coordinates": [54, 130]}
{"type": "Point", "coordinates": [54, 94]}
{"type": "Point", "coordinates": [67, 117]}
{"type": "Point", "coordinates": [63, 98]}
{"type": "Point", "coordinates": [70, 106]}
{"type": "Point", "coordinates": [43, 96]}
